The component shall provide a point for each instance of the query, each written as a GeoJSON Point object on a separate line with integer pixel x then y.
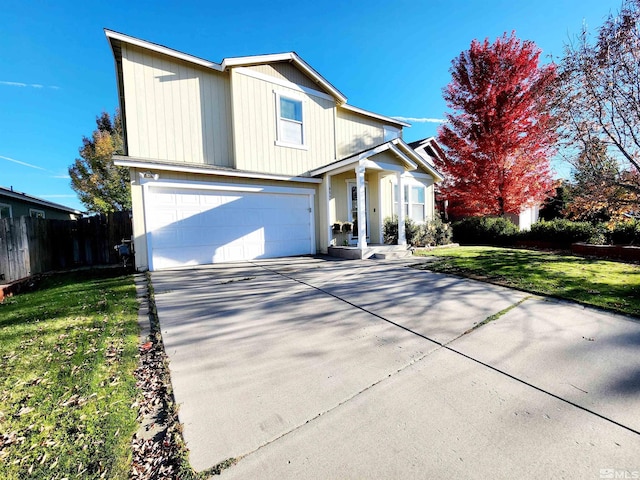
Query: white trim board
{"type": "Point", "coordinates": [228, 187]}
{"type": "Point", "coordinates": [154, 47]}
{"type": "Point", "coordinates": [130, 162]}
{"type": "Point", "coordinates": [335, 167]}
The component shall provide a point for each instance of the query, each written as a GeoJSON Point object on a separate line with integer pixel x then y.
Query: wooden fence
{"type": "Point", "coordinates": [34, 245]}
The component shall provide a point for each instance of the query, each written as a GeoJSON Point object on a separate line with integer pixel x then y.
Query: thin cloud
{"type": "Point", "coordinates": [9, 159]}
{"type": "Point", "coordinates": [64, 177]}
{"type": "Point", "coordinates": [13, 84]}
{"type": "Point", "coordinates": [25, 85]}
{"type": "Point", "coordinates": [421, 119]}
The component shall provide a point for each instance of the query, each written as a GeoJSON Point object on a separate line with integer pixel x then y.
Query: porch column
{"type": "Point", "coordinates": [362, 208]}
{"type": "Point", "coordinates": [327, 203]}
{"type": "Point", "coordinates": [402, 239]}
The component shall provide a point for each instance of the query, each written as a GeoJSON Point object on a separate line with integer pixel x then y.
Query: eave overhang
{"type": "Point", "coordinates": [154, 165]}
{"type": "Point", "coordinates": [409, 160]}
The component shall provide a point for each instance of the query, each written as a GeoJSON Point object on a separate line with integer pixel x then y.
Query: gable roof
{"type": "Point", "coordinates": [397, 146]}
{"type": "Point", "coordinates": [116, 40]}
{"type": "Point", "coordinates": [429, 149]}
{"type": "Point", "coordinates": [10, 193]}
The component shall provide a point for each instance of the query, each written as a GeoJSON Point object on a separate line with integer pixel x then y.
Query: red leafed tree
{"type": "Point", "coordinates": [500, 133]}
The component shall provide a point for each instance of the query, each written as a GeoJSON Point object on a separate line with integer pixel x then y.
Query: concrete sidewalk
{"type": "Point", "coordinates": [309, 368]}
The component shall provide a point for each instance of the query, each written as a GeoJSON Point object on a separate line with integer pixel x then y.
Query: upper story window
{"type": "Point", "coordinates": [5, 210]}
{"type": "Point", "coordinates": [290, 121]}
{"type": "Point", "coordinates": [36, 213]}
{"type": "Point", "coordinates": [414, 202]}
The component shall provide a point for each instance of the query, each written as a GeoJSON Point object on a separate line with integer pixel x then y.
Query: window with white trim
{"type": "Point", "coordinates": [290, 121]}
{"type": "Point", "coordinates": [5, 210]}
{"type": "Point", "coordinates": [34, 213]}
{"type": "Point", "coordinates": [414, 202]}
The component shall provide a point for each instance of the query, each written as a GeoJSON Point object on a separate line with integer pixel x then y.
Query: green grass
{"type": "Point", "coordinates": [601, 283]}
{"type": "Point", "coordinates": [67, 355]}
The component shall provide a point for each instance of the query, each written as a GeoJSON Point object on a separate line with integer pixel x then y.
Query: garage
{"type": "Point", "coordinates": [198, 224]}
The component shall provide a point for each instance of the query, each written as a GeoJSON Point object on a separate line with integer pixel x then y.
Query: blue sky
{"type": "Point", "coordinates": [391, 57]}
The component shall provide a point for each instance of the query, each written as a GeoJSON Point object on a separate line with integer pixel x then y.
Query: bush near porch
{"type": "Point", "coordinates": [432, 233]}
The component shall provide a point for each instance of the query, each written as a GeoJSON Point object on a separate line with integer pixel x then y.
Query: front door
{"type": "Point", "coordinates": [352, 205]}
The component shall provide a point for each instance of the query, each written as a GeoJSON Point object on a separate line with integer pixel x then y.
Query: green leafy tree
{"type": "Point", "coordinates": [101, 186]}
{"type": "Point", "coordinates": [600, 190]}
{"type": "Point", "coordinates": [555, 205]}
{"type": "Point", "coordinates": [598, 103]}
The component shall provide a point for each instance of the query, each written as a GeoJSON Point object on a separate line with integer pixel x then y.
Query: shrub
{"type": "Point", "coordinates": [390, 230]}
{"type": "Point", "coordinates": [565, 232]}
{"type": "Point", "coordinates": [434, 232]}
{"type": "Point", "coordinates": [410, 231]}
{"type": "Point", "coordinates": [484, 231]}
{"type": "Point", "coordinates": [626, 233]}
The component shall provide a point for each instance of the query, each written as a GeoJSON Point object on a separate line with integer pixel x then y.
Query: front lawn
{"type": "Point", "coordinates": [611, 285]}
{"type": "Point", "coordinates": [67, 355]}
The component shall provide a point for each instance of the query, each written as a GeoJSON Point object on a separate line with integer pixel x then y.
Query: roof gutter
{"type": "Point", "coordinates": [144, 164]}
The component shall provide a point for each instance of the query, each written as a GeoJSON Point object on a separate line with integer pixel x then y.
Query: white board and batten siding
{"type": "Point", "coordinates": [285, 72]}
{"type": "Point", "coordinates": [199, 224]}
{"type": "Point", "coordinates": [255, 124]}
{"type": "Point", "coordinates": [176, 111]}
{"type": "Point", "coordinates": [356, 133]}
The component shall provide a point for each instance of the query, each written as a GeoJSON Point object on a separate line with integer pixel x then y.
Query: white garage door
{"type": "Point", "coordinates": [189, 226]}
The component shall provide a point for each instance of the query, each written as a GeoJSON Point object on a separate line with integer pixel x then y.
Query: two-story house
{"type": "Point", "coordinates": [255, 157]}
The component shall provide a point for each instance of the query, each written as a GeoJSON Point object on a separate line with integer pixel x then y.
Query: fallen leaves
{"type": "Point", "coordinates": [25, 411]}
{"type": "Point", "coordinates": [77, 400]}
{"type": "Point", "coordinates": [10, 438]}
{"type": "Point", "coordinates": [65, 375]}
{"type": "Point", "coordinates": [160, 455]}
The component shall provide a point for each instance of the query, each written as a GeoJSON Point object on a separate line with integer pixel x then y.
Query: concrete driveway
{"type": "Point", "coordinates": [311, 368]}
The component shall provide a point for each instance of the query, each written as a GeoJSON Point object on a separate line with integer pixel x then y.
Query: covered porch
{"type": "Point", "coordinates": [359, 192]}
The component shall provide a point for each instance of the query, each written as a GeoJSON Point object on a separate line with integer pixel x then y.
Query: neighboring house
{"type": "Point", "coordinates": [527, 217]}
{"type": "Point", "coordinates": [254, 157]}
{"type": "Point", "coordinates": [429, 149]}
{"type": "Point", "coordinates": [14, 204]}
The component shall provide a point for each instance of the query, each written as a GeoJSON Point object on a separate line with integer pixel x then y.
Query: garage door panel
{"type": "Point", "coordinates": [165, 198]}
{"type": "Point", "coordinates": [249, 217]}
{"type": "Point", "coordinates": [298, 216]}
{"type": "Point", "coordinates": [192, 227]}
{"type": "Point", "coordinates": [162, 218]}
{"type": "Point", "coordinates": [276, 249]}
{"type": "Point", "coordinates": [187, 200]}
{"type": "Point", "coordinates": [165, 238]}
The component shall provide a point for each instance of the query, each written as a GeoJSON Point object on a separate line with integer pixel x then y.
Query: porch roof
{"type": "Point", "coordinates": [409, 160]}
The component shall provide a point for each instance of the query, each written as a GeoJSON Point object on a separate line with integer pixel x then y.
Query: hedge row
{"type": "Point", "coordinates": [560, 232]}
